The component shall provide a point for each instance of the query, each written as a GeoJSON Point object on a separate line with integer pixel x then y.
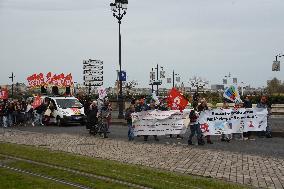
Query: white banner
{"type": "Point", "coordinates": [102, 92]}
{"type": "Point", "coordinates": [157, 122]}
{"type": "Point", "coordinates": [227, 121]}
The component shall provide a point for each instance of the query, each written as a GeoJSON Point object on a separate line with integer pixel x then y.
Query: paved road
{"type": "Point", "coordinates": [261, 146]}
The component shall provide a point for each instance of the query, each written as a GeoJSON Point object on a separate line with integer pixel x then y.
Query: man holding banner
{"type": "Point", "coordinates": [263, 104]}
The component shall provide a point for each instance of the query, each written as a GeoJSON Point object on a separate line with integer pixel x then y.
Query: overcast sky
{"type": "Point", "coordinates": [194, 37]}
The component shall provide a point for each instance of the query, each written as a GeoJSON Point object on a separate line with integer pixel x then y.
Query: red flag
{"type": "Point", "coordinates": [49, 78]}
{"type": "Point", "coordinates": [37, 102]}
{"type": "Point", "coordinates": [4, 94]}
{"type": "Point", "coordinates": [176, 101]}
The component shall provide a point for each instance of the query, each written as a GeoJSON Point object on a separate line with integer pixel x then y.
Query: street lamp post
{"type": "Point", "coordinates": [157, 68]}
{"type": "Point", "coordinates": [276, 63]}
{"type": "Point", "coordinates": [119, 8]}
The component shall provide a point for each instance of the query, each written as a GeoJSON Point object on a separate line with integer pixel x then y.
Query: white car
{"type": "Point", "coordinates": [67, 110]}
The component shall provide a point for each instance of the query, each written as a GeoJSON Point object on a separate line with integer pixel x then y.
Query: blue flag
{"type": "Point", "coordinates": [122, 76]}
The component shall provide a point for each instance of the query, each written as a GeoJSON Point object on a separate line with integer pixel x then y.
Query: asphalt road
{"type": "Point", "coordinates": [273, 147]}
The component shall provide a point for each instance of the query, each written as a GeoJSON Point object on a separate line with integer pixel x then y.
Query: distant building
{"type": "Point", "coordinates": [217, 87]}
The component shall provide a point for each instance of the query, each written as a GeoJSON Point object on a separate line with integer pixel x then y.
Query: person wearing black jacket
{"type": "Point", "coordinates": [128, 118]}
{"type": "Point", "coordinates": [195, 128]}
{"type": "Point", "coordinates": [92, 117]}
{"type": "Point", "coordinates": [40, 110]}
{"type": "Point", "coordinates": [247, 104]}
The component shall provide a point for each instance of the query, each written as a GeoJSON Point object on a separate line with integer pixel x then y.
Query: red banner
{"type": "Point", "coordinates": [176, 101]}
{"type": "Point", "coordinates": [38, 80]}
{"type": "Point", "coordinates": [4, 94]}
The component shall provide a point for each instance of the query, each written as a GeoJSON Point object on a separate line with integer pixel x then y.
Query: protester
{"type": "Point", "coordinates": [92, 117]}
{"type": "Point", "coordinates": [105, 111]}
{"type": "Point", "coordinates": [137, 106]}
{"type": "Point", "coordinates": [203, 107]}
{"type": "Point", "coordinates": [5, 113]}
{"type": "Point", "coordinates": [40, 110]}
{"type": "Point", "coordinates": [195, 128]}
{"type": "Point", "coordinates": [49, 113]}
{"type": "Point", "coordinates": [1, 113]}
{"type": "Point", "coordinates": [128, 118]}
{"type": "Point", "coordinates": [22, 112]}
{"type": "Point", "coordinates": [247, 135]}
{"type": "Point", "coordinates": [263, 104]}
{"type": "Point", "coordinates": [29, 111]}
{"type": "Point", "coordinates": [11, 109]}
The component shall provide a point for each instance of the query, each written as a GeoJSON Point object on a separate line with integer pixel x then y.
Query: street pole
{"type": "Point", "coordinates": [12, 77]}
{"type": "Point", "coordinates": [152, 82]}
{"type": "Point", "coordinates": [173, 78]}
{"type": "Point", "coordinates": [157, 79]}
{"type": "Point", "coordinates": [119, 8]}
{"type": "Point", "coordinates": [120, 107]}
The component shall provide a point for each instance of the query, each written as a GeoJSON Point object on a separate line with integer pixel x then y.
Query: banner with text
{"type": "Point", "coordinates": [157, 122]}
{"type": "Point", "coordinates": [60, 80]}
{"type": "Point", "coordinates": [227, 121]}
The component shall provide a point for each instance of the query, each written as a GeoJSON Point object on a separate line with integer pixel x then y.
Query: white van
{"type": "Point", "coordinates": [67, 110]}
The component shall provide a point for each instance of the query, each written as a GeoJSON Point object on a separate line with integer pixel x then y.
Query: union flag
{"type": "Point", "coordinates": [176, 101]}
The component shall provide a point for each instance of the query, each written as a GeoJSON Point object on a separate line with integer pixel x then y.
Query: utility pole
{"type": "Point", "coordinates": [12, 78]}
{"type": "Point", "coordinates": [157, 79]}
{"type": "Point", "coordinates": [152, 82]}
{"type": "Point", "coordinates": [173, 78]}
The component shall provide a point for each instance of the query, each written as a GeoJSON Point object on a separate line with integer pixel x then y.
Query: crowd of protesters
{"type": "Point", "coordinates": [21, 112]}
{"type": "Point", "coordinates": [15, 112]}
{"type": "Point", "coordinates": [198, 105]}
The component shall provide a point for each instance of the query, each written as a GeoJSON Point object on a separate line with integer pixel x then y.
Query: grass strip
{"type": "Point", "coordinates": [65, 175]}
{"type": "Point", "coordinates": [12, 180]}
{"type": "Point", "coordinates": [130, 173]}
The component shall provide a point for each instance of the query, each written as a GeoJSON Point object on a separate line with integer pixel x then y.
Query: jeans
{"type": "Point", "coordinates": [130, 131]}
{"type": "Point", "coordinates": [268, 128]}
{"type": "Point", "coordinates": [5, 121]}
{"type": "Point", "coordinates": [10, 120]}
{"type": "Point", "coordinates": [38, 119]}
{"type": "Point", "coordinates": [195, 129]}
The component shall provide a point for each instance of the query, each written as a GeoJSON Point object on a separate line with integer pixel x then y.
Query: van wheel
{"type": "Point", "coordinates": [58, 122]}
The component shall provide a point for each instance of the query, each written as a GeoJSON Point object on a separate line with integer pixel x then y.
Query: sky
{"type": "Point", "coordinates": [201, 38]}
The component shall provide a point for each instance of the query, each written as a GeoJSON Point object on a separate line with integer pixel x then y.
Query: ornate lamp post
{"type": "Point", "coordinates": [119, 8]}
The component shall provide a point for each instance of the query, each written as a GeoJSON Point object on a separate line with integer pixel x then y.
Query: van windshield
{"type": "Point", "coordinates": [68, 103]}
